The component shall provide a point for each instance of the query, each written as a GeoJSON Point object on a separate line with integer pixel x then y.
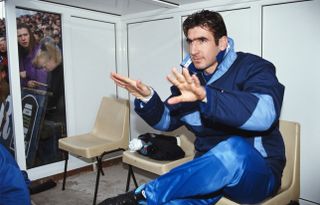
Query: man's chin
{"type": "Point", "coordinates": [199, 67]}
{"type": "Point", "coordinates": [207, 68]}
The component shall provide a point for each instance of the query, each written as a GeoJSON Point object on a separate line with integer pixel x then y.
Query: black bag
{"type": "Point", "coordinates": [160, 147]}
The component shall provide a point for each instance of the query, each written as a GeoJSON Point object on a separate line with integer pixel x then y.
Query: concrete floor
{"type": "Point", "coordinates": [80, 188]}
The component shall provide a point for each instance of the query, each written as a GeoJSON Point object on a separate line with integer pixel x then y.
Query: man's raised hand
{"type": "Point", "coordinates": [135, 87]}
{"type": "Point", "coordinates": [189, 86]}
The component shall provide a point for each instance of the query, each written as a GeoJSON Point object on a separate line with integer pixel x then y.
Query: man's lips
{"type": "Point", "coordinates": [196, 60]}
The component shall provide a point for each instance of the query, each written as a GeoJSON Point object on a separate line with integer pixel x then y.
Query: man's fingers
{"type": "Point", "coordinates": [187, 76]}
{"type": "Point", "coordinates": [173, 80]}
{"type": "Point", "coordinates": [196, 80]}
{"type": "Point", "coordinates": [177, 78]}
{"type": "Point", "coordinates": [118, 77]}
{"type": "Point", "coordinates": [174, 100]}
{"type": "Point", "coordinates": [121, 80]}
{"type": "Point", "coordinates": [120, 83]}
{"type": "Point", "coordinates": [142, 88]}
{"type": "Point", "coordinates": [178, 75]}
{"type": "Point", "coordinates": [135, 87]}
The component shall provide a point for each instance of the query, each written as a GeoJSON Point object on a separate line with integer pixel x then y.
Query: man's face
{"type": "Point", "coordinates": [23, 37]}
{"type": "Point", "coordinates": [203, 49]}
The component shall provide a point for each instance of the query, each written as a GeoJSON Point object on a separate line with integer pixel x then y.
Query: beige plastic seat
{"type": "Point", "coordinates": [109, 134]}
{"type": "Point", "coordinates": [155, 166]}
{"type": "Point", "coordinates": [289, 191]}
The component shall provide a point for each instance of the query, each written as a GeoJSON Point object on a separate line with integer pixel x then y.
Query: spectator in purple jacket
{"type": "Point", "coordinates": [30, 76]}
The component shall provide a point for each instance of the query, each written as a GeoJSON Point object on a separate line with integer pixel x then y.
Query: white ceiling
{"type": "Point", "coordinates": [122, 7]}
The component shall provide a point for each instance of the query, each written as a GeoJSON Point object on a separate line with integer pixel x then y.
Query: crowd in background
{"type": "Point", "coordinates": [40, 63]}
{"type": "Point", "coordinates": [4, 78]}
{"type": "Point", "coordinates": [41, 25]}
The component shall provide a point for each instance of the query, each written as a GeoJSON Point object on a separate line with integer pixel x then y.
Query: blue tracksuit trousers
{"type": "Point", "coordinates": [233, 168]}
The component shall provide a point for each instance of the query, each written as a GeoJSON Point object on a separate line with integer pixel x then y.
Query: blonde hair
{"type": "Point", "coordinates": [48, 50]}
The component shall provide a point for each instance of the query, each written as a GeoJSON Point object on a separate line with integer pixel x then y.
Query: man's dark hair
{"type": "Point", "coordinates": [206, 19]}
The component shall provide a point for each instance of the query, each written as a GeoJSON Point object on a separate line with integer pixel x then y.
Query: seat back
{"type": "Point", "coordinates": [291, 174]}
{"type": "Point", "coordinates": [290, 182]}
{"type": "Point", "coordinates": [112, 121]}
{"type": "Point", "coordinates": [187, 145]}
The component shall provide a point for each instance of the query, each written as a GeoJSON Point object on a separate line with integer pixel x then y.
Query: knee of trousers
{"type": "Point", "coordinates": [234, 153]}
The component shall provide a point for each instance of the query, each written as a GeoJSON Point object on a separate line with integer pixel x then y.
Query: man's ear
{"type": "Point", "coordinates": [223, 43]}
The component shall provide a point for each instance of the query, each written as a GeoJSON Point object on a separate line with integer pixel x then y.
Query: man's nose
{"type": "Point", "coordinates": [193, 48]}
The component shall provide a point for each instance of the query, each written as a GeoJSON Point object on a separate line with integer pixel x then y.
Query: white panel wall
{"type": "Point", "coordinates": [93, 57]}
{"type": "Point", "coordinates": [292, 43]}
{"type": "Point", "coordinates": [241, 27]}
{"type": "Point", "coordinates": [154, 47]}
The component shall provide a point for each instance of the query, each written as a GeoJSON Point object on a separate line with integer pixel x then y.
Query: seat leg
{"type": "Point", "coordinates": [131, 174]}
{"type": "Point", "coordinates": [99, 169]}
{"type": "Point", "coordinates": [294, 203]}
{"type": "Point", "coordinates": [134, 178]}
{"type": "Point", "coordinates": [128, 179]}
{"type": "Point", "coordinates": [99, 164]}
{"type": "Point", "coordinates": [66, 156]}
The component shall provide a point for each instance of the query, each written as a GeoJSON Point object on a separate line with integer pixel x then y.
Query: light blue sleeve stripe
{"type": "Point", "coordinates": [263, 116]}
{"type": "Point", "coordinates": [259, 146]}
{"type": "Point", "coordinates": [164, 122]}
{"type": "Point", "coordinates": [192, 119]}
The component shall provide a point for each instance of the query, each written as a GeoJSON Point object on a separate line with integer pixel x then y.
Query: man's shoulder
{"type": "Point", "coordinates": [251, 59]}
{"type": "Point", "coordinates": [249, 56]}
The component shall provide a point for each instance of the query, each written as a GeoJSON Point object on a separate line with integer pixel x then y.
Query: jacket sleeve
{"type": "Point", "coordinates": [256, 103]}
{"type": "Point", "coordinates": [158, 114]}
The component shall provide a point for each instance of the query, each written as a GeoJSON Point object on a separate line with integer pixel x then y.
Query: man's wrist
{"type": "Point", "coordinates": [147, 98]}
{"type": "Point", "coordinates": [204, 100]}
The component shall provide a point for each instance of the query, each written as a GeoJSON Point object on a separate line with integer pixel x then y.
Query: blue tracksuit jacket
{"type": "Point", "coordinates": [244, 98]}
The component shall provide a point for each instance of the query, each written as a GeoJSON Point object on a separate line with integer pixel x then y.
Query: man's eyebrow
{"type": "Point", "coordinates": [201, 38]}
